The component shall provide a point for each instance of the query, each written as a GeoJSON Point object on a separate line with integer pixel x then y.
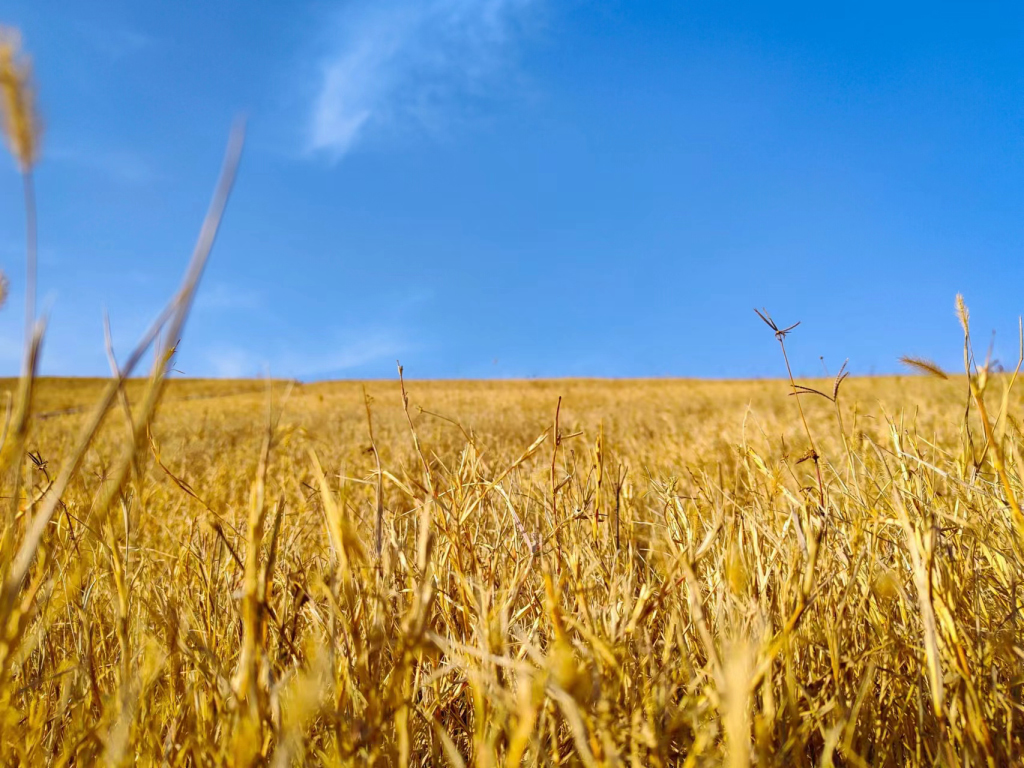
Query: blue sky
{"type": "Point", "coordinates": [516, 188]}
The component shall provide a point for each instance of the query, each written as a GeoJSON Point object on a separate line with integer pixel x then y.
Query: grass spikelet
{"type": "Point", "coordinates": [962, 314]}
{"type": "Point", "coordinates": [921, 365]}
{"type": "Point", "coordinates": [22, 128]}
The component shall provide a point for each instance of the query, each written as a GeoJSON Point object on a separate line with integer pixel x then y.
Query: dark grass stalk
{"type": "Point", "coordinates": [780, 335]}
{"type": "Point", "coordinates": [378, 512]}
{"type": "Point", "coordinates": [556, 444]}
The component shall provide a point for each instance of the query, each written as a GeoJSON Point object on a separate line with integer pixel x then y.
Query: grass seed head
{"type": "Point", "coordinates": [962, 314]}
{"type": "Point", "coordinates": [21, 124]}
{"type": "Point", "coordinates": [924, 366]}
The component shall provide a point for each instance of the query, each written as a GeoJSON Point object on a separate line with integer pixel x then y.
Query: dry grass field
{"type": "Point", "coordinates": [642, 573]}
{"type": "Point", "coordinates": [661, 585]}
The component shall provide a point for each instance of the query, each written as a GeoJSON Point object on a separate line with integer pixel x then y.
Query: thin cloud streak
{"type": "Point", "coordinates": [344, 354]}
{"type": "Point", "coordinates": [401, 64]}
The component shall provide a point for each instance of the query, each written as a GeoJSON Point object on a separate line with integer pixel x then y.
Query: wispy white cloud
{"type": "Point", "coordinates": [336, 354]}
{"type": "Point", "coordinates": [395, 64]}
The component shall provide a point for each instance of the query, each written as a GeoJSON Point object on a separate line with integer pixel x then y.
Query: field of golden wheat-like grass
{"type": "Point", "coordinates": [660, 585]}
{"type": "Point", "coordinates": [203, 573]}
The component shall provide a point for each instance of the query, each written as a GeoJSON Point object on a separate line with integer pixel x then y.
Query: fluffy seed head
{"type": "Point", "coordinates": [961, 312]}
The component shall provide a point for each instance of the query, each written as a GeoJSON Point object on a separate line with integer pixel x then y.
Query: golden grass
{"type": "Point", "coordinates": [504, 573]}
{"type": "Point", "coordinates": [230, 608]}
